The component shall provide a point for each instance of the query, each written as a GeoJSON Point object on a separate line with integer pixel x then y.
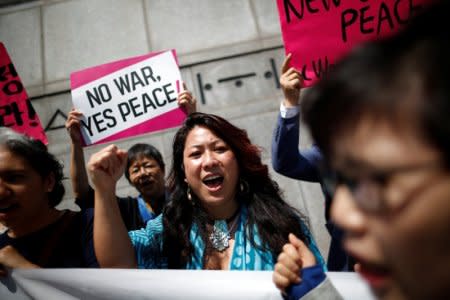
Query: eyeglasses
{"type": "Point", "coordinates": [369, 190]}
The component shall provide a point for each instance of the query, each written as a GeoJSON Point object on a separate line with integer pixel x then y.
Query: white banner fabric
{"type": "Point", "coordinates": [157, 284]}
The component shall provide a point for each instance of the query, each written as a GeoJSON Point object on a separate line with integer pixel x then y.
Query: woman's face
{"type": "Point", "coordinates": [23, 192]}
{"type": "Point", "coordinates": [212, 172]}
{"type": "Point", "coordinates": [401, 239]}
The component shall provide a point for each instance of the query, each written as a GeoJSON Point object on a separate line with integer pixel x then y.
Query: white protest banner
{"type": "Point", "coordinates": [130, 284]}
{"type": "Point", "coordinates": [128, 97]}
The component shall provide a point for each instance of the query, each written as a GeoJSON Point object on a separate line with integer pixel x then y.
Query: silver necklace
{"type": "Point", "coordinates": [220, 234]}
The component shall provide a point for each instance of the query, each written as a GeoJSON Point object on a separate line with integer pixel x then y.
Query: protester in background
{"type": "Point", "coordinates": [38, 235]}
{"type": "Point", "coordinates": [145, 170]}
{"type": "Point", "coordinates": [382, 121]}
{"type": "Point", "coordinates": [303, 164]}
{"type": "Point", "coordinates": [225, 212]}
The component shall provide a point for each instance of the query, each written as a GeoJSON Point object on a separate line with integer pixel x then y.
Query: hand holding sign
{"type": "Point", "coordinates": [291, 82]}
{"type": "Point", "coordinates": [73, 126]}
{"type": "Point", "coordinates": [187, 101]}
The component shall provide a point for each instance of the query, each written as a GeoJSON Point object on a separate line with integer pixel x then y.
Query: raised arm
{"type": "Point", "coordinates": [78, 174]}
{"type": "Point", "coordinates": [111, 242]}
{"type": "Point", "coordinates": [286, 157]}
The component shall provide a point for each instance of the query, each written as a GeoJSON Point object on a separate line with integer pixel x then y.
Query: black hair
{"type": "Point", "coordinates": [143, 150]}
{"type": "Point", "coordinates": [35, 153]}
{"type": "Point", "coordinates": [272, 216]}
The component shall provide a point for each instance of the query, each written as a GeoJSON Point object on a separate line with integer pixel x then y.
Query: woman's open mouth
{"type": "Point", "coordinates": [213, 182]}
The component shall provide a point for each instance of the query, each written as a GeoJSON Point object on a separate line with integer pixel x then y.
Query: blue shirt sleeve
{"type": "Point", "coordinates": [311, 278]}
{"type": "Point", "coordinates": [287, 159]}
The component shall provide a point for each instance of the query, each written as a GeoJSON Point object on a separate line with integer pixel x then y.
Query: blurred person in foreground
{"type": "Point", "coordinates": [381, 119]}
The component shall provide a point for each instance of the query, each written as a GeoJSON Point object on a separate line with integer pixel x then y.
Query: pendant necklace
{"type": "Point", "coordinates": [220, 234]}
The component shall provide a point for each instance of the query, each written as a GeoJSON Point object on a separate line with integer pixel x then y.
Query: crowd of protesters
{"type": "Point", "coordinates": [380, 125]}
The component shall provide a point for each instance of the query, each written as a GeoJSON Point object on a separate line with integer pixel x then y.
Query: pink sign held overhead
{"type": "Point", "coordinates": [16, 110]}
{"type": "Point", "coordinates": [128, 97]}
{"type": "Point", "coordinates": [319, 32]}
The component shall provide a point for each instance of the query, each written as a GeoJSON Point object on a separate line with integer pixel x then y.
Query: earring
{"type": "Point", "coordinates": [243, 186]}
{"type": "Point", "coordinates": [189, 196]}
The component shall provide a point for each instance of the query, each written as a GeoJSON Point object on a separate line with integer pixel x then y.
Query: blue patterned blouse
{"type": "Point", "coordinates": [148, 244]}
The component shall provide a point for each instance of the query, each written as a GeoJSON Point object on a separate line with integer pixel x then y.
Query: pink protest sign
{"type": "Point", "coordinates": [128, 97]}
{"type": "Point", "coordinates": [319, 32]}
{"type": "Point", "coordinates": [16, 110]}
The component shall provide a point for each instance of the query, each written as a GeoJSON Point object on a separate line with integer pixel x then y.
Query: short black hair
{"type": "Point", "coordinates": [143, 150]}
